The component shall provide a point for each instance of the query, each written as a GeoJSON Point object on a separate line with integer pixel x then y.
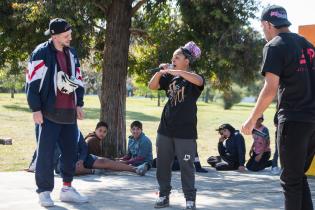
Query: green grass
{"type": "Point", "coordinates": [16, 122]}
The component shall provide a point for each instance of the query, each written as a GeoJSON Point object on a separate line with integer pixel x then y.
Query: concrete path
{"type": "Point", "coordinates": [125, 191]}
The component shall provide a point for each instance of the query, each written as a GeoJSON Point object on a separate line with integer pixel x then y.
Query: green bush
{"type": "Point", "coordinates": [231, 97]}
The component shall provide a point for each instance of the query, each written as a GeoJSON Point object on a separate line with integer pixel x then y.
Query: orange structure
{"type": "Point", "coordinates": [308, 31]}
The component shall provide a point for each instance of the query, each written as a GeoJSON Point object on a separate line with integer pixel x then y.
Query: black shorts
{"type": "Point", "coordinates": [89, 161]}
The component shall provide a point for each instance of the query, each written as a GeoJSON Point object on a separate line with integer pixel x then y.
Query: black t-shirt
{"type": "Point", "coordinates": [292, 58]}
{"type": "Point", "coordinates": [179, 117]}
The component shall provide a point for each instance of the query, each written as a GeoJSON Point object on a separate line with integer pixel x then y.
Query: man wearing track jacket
{"type": "Point", "coordinates": [55, 96]}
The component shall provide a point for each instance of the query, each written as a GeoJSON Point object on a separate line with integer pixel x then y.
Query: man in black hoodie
{"type": "Point", "coordinates": [231, 148]}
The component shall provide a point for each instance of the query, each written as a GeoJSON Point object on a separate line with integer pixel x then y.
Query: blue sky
{"type": "Point", "coordinates": [300, 12]}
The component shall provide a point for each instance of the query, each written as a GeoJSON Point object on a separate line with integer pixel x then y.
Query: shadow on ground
{"type": "Point", "coordinates": [216, 190]}
{"type": "Point", "coordinates": [17, 108]}
{"type": "Point", "coordinates": [126, 191]}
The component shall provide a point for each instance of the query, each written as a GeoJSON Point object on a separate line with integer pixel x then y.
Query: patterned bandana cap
{"type": "Point", "coordinates": [192, 51]}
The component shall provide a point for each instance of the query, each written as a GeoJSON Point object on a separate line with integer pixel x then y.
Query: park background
{"type": "Point", "coordinates": [117, 42]}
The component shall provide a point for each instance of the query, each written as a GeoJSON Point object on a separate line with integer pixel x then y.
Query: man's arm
{"type": "Point", "coordinates": [221, 148]}
{"type": "Point", "coordinates": [267, 94]}
{"type": "Point", "coordinates": [36, 72]}
{"type": "Point", "coordinates": [80, 90]}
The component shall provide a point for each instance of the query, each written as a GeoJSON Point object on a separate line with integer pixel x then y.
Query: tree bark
{"type": "Point", "coordinates": [207, 95]}
{"type": "Point", "coordinates": [113, 96]}
{"type": "Point", "coordinates": [12, 92]}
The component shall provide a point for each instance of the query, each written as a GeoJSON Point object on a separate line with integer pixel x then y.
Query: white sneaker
{"type": "Point", "coordinates": [275, 170]}
{"type": "Point", "coordinates": [45, 199]}
{"type": "Point", "coordinates": [69, 194]}
{"type": "Point", "coordinates": [191, 205]}
{"type": "Point", "coordinates": [142, 169]}
{"type": "Point", "coordinates": [32, 167]}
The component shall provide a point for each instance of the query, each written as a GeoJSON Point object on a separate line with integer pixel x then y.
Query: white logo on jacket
{"type": "Point", "coordinates": [65, 84]}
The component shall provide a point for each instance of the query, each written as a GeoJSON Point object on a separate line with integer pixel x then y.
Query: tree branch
{"type": "Point", "coordinates": [98, 5]}
{"type": "Point", "coordinates": [137, 7]}
{"type": "Point", "coordinates": [139, 32]}
{"type": "Point", "coordinates": [99, 27]}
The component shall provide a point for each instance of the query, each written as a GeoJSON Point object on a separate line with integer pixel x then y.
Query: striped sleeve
{"type": "Point", "coordinates": [35, 76]}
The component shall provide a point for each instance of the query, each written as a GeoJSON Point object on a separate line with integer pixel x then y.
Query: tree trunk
{"type": "Point", "coordinates": [207, 95]}
{"type": "Point", "coordinates": [12, 92]}
{"type": "Point", "coordinates": [113, 96]}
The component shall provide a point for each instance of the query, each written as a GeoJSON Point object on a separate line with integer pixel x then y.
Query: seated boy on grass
{"type": "Point", "coordinates": [88, 162]}
{"type": "Point", "coordinates": [95, 139]}
{"type": "Point", "coordinates": [139, 147]}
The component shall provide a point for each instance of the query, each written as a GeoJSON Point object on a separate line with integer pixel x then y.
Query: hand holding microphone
{"type": "Point", "coordinates": [162, 66]}
{"type": "Point", "coordinates": [158, 72]}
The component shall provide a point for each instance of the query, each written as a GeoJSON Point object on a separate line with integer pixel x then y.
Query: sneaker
{"type": "Point", "coordinates": [162, 202]}
{"type": "Point", "coordinates": [275, 170]}
{"type": "Point", "coordinates": [69, 194]}
{"type": "Point", "coordinates": [142, 169]}
{"type": "Point", "coordinates": [191, 205]}
{"type": "Point", "coordinates": [32, 167]}
{"type": "Point", "coordinates": [45, 199]}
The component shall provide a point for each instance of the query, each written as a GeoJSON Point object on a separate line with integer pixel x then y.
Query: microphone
{"type": "Point", "coordinates": [157, 69]}
{"type": "Point", "coordinates": [259, 133]}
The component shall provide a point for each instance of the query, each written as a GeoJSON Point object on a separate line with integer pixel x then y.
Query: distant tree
{"type": "Point", "coordinates": [232, 96]}
{"type": "Point", "coordinates": [11, 78]}
{"type": "Point", "coordinates": [231, 48]}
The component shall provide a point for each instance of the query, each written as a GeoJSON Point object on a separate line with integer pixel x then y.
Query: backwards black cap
{"type": "Point", "coordinates": [57, 26]}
